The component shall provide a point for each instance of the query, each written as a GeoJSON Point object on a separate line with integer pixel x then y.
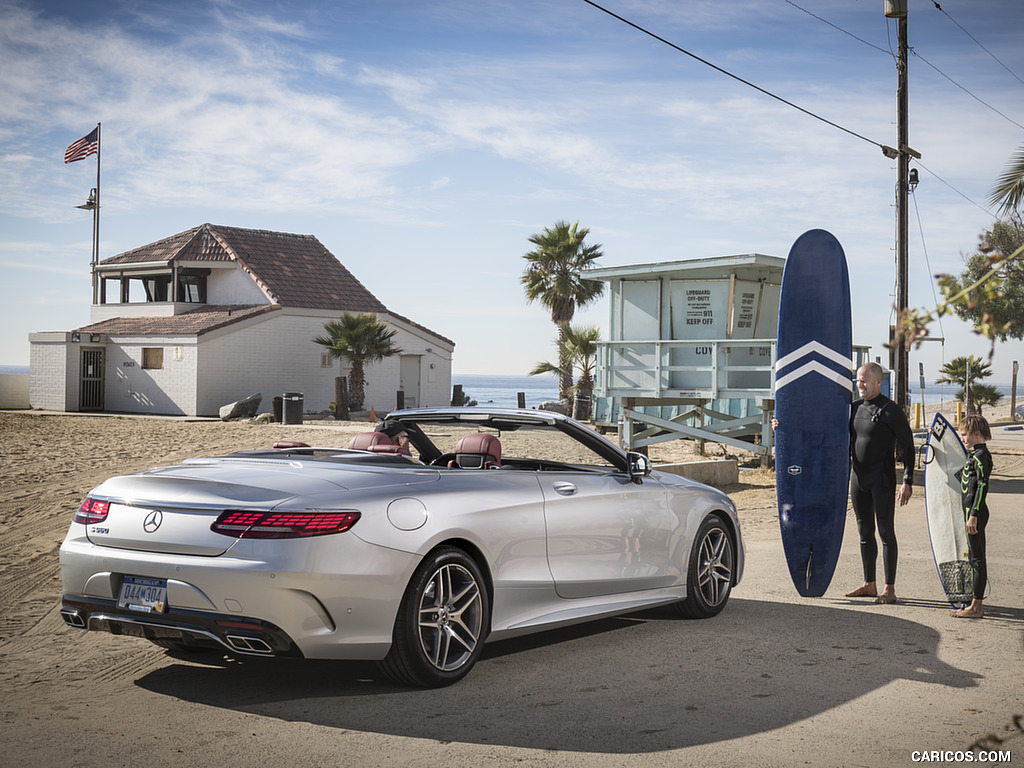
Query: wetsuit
{"type": "Point", "coordinates": [974, 478]}
{"type": "Point", "coordinates": [876, 427]}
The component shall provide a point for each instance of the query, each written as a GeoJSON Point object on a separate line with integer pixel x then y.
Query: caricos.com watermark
{"type": "Point", "coordinates": [960, 756]}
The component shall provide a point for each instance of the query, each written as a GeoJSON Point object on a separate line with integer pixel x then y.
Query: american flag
{"type": "Point", "coordinates": [85, 146]}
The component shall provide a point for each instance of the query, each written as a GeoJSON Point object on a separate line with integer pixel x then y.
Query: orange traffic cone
{"type": "Point", "coordinates": [373, 415]}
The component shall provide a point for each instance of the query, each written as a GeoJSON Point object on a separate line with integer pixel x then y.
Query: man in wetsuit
{"type": "Point", "coordinates": [877, 425]}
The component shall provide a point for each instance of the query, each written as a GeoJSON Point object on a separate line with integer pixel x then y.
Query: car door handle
{"type": "Point", "coordinates": [565, 489]}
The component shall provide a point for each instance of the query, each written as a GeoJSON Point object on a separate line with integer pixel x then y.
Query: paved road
{"type": "Point", "coordinates": [776, 680]}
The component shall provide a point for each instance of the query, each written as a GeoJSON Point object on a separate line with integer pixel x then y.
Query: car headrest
{"type": "Point", "coordinates": [365, 441]}
{"type": "Point", "coordinates": [478, 451]}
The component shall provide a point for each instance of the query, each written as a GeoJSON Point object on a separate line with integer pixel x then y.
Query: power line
{"type": "Point", "coordinates": [965, 90]}
{"type": "Point", "coordinates": [927, 261]}
{"type": "Point", "coordinates": [965, 197]}
{"type": "Point", "coordinates": [986, 50]}
{"type": "Point", "coordinates": [922, 58]}
{"type": "Point", "coordinates": [837, 27]}
{"type": "Point", "coordinates": [887, 151]}
{"type": "Point", "coordinates": [918, 55]}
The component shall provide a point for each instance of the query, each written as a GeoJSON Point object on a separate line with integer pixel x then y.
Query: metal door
{"type": "Point", "coordinates": [409, 379]}
{"type": "Point", "coordinates": [91, 391]}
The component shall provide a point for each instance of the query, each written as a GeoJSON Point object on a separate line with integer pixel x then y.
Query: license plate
{"type": "Point", "coordinates": [143, 595]}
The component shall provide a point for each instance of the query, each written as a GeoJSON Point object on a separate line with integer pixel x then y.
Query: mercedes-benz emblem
{"type": "Point", "coordinates": [153, 521]}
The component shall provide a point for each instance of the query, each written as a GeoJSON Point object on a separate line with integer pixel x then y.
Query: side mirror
{"type": "Point", "coordinates": [639, 466]}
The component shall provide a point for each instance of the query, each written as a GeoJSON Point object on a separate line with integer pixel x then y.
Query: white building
{"type": "Point", "coordinates": [209, 316]}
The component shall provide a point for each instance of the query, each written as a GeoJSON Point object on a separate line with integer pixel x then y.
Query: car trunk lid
{"type": "Point", "coordinates": [170, 509]}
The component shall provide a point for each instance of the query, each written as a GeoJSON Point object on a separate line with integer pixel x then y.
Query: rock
{"type": "Point", "coordinates": [241, 409]}
{"type": "Point", "coordinates": [1019, 413]}
{"type": "Point", "coordinates": [264, 418]}
{"type": "Point", "coordinates": [556, 406]}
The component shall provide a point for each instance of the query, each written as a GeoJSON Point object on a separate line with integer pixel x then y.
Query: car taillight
{"type": "Point", "coordinates": [92, 511]}
{"type": "Point", "coordinates": [283, 525]}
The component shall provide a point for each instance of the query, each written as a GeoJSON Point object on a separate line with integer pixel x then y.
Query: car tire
{"type": "Point", "coordinates": [442, 621]}
{"type": "Point", "coordinates": [710, 570]}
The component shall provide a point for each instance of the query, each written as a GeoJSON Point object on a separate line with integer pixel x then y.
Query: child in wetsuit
{"type": "Point", "coordinates": [974, 480]}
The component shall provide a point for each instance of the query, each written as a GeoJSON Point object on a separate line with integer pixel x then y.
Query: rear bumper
{"type": "Point", "coordinates": [331, 597]}
{"type": "Point", "coordinates": [200, 629]}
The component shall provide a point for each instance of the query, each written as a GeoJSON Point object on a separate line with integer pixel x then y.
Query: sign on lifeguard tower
{"type": "Point", "coordinates": [726, 309]}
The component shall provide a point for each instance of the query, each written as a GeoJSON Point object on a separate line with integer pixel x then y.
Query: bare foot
{"type": "Point", "coordinates": [967, 613]}
{"type": "Point", "coordinates": [886, 598]}
{"type": "Point", "coordinates": [868, 590]}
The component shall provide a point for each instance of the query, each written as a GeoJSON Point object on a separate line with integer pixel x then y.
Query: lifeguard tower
{"type": "Point", "coordinates": [691, 351]}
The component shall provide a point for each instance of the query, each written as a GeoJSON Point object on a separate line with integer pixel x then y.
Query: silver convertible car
{"type": "Point", "coordinates": [412, 546]}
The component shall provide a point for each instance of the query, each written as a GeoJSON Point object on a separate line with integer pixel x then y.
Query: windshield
{"type": "Point", "coordinates": [528, 446]}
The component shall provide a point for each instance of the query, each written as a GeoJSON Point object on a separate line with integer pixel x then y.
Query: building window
{"type": "Point", "coordinates": [156, 287]}
{"type": "Point", "coordinates": [192, 288]}
{"type": "Point", "coordinates": [129, 288]}
{"type": "Point", "coordinates": [326, 361]}
{"type": "Point", "coordinates": [152, 358]}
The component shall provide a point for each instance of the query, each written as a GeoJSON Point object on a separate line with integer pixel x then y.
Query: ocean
{"type": "Point", "coordinates": [502, 391]}
{"type": "Point", "coordinates": [937, 393]}
{"type": "Point", "coordinates": [497, 391]}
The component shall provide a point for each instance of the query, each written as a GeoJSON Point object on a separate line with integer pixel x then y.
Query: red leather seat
{"type": "Point", "coordinates": [367, 440]}
{"type": "Point", "coordinates": [377, 442]}
{"type": "Point", "coordinates": [477, 451]}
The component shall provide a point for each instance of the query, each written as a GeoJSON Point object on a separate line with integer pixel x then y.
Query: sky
{"type": "Point", "coordinates": [424, 142]}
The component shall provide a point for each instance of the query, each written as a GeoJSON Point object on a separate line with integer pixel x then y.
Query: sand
{"type": "Point", "coordinates": [826, 681]}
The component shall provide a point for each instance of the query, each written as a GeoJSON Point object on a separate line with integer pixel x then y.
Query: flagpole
{"type": "Point", "coordinates": [96, 221]}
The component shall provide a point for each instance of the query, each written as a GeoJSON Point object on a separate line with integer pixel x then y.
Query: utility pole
{"type": "Point", "coordinates": [902, 219]}
{"type": "Point", "coordinates": [900, 358]}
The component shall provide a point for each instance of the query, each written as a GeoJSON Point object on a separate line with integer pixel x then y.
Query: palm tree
{"type": "Point", "coordinates": [1009, 191]}
{"type": "Point", "coordinates": [553, 276]}
{"type": "Point", "coordinates": [579, 347]}
{"type": "Point", "coordinates": [984, 394]}
{"type": "Point", "coordinates": [955, 372]}
{"type": "Point", "coordinates": [360, 339]}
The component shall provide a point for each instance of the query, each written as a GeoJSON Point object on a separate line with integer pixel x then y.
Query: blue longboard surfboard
{"type": "Point", "coordinates": [813, 392]}
{"type": "Point", "coordinates": [944, 456]}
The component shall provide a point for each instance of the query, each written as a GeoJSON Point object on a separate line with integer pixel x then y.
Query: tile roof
{"type": "Point", "coordinates": [293, 270]}
{"type": "Point", "coordinates": [195, 323]}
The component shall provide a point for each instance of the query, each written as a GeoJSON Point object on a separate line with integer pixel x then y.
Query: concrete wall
{"type": "Point", "coordinates": [435, 370]}
{"type": "Point", "coordinates": [14, 390]}
{"type": "Point", "coordinates": [169, 390]}
{"type": "Point", "coordinates": [718, 474]}
{"type": "Point", "coordinates": [271, 354]}
{"type": "Point", "coordinates": [54, 371]}
{"type": "Point", "coordinates": [231, 285]}
{"type": "Point", "coordinates": [275, 353]}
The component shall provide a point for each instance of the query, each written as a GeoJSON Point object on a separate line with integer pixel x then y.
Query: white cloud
{"type": "Point", "coordinates": [438, 146]}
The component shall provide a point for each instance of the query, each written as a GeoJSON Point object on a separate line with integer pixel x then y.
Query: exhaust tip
{"type": "Point", "coordinates": [249, 644]}
{"type": "Point", "coordinates": [72, 618]}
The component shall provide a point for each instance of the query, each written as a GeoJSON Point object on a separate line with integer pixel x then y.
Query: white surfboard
{"type": "Point", "coordinates": [945, 455]}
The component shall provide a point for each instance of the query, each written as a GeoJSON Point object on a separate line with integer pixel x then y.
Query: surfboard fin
{"type": "Point", "coordinates": [810, 569]}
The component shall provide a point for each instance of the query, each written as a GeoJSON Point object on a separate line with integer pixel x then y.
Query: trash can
{"type": "Point", "coordinates": [292, 410]}
{"type": "Point", "coordinates": [276, 405]}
